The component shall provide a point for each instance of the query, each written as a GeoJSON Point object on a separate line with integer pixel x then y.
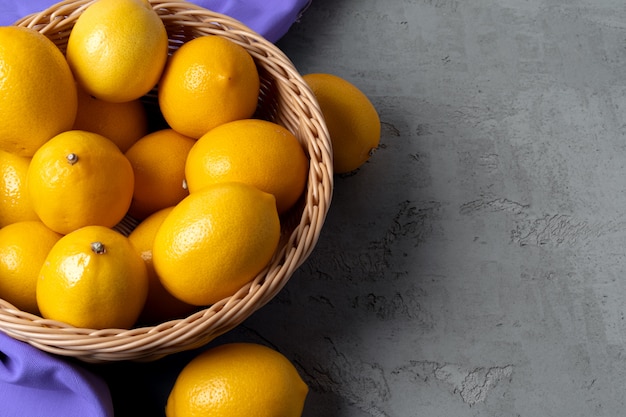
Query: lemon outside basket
{"type": "Point", "coordinates": [284, 99]}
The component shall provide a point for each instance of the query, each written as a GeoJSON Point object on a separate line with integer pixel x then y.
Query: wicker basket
{"type": "Point", "coordinates": [284, 99]}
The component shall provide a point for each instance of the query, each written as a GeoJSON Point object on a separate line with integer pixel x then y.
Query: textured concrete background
{"type": "Point", "coordinates": [475, 266]}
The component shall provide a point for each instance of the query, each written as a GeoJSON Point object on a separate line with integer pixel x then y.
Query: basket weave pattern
{"type": "Point", "coordinates": [284, 99]}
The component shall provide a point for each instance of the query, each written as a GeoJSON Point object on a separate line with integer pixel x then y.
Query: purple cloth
{"type": "Point", "coordinates": [34, 383]}
{"type": "Point", "coordinates": [270, 18]}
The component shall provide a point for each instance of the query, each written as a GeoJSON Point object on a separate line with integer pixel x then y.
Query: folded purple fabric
{"type": "Point", "coordinates": [270, 18]}
{"type": "Point", "coordinates": [35, 384]}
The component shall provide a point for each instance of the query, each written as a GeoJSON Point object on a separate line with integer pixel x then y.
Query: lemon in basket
{"type": "Point", "coordinates": [238, 380]}
{"type": "Point", "coordinates": [93, 278]}
{"type": "Point", "coordinates": [160, 305]}
{"type": "Point", "coordinates": [256, 152]}
{"type": "Point", "coordinates": [117, 49]}
{"type": "Point", "coordinates": [37, 90]}
{"type": "Point", "coordinates": [158, 161]}
{"type": "Point", "coordinates": [215, 241]}
{"type": "Point", "coordinates": [78, 179]}
{"type": "Point", "coordinates": [15, 204]}
{"type": "Point", "coordinates": [24, 247]}
{"type": "Point", "coordinates": [123, 123]}
{"type": "Point", "coordinates": [208, 81]}
{"type": "Point", "coordinates": [352, 120]}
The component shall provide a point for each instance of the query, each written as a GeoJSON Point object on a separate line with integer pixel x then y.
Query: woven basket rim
{"type": "Point", "coordinates": [297, 109]}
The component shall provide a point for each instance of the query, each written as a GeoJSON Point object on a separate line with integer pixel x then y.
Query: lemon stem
{"type": "Point", "coordinates": [98, 248]}
{"type": "Point", "coordinates": [72, 158]}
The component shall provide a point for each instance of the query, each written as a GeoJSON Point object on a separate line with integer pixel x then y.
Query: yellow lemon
{"type": "Point", "coordinates": [15, 204]}
{"type": "Point", "coordinates": [93, 278]}
{"type": "Point", "coordinates": [24, 247]}
{"type": "Point", "coordinates": [123, 123]}
{"type": "Point", "coordinates": [238, 380]}
{"type": "Point", "coordinates": [37, 90]}
{"type": "Point", "coordinates": [206, 82]}
{"type": "Point", "coordinates": [78, 179]}
{"type": "Point", "coordinates": [216, 240]}
{"type": "Point", "coordinates": [257, 152]}
{"type": "Point", "coordinates": [352, 120]}
{"type": "Point", "coordinates": [158, 161]}
{"type": "Point", "coordinates": [160, 304]}
{"type": "Point", "coordinates": [117, 49]}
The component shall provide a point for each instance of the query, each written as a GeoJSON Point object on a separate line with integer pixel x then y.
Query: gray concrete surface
{"type": "Point", "coordinates": [475, 266]}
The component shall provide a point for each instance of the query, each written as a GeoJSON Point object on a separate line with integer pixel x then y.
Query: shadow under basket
{"type": "Point", "coordinates": [284, 99]}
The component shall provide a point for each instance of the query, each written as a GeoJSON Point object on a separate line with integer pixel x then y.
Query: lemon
{"type": "Point", "coordinates": [216, 240]}
{"type": "Point", "coordinates": [78, 179]}
{"type": "Point", "coordinates": [117, 49]}
{"type": "Point", "coordinates": [123, 123]}
{"type": "Point", "coordinates": [15, 204]}
{"type": "Point", "coordinates": [352, 120]}
{"type": "Point", "coordinates": [208, 81]}
{"type": "Point", "coordinates": [158, 161]}
{"type": "Point", "coordinates": [24, 247]}
{"type": "Point", "coordinates": [37, 90]}
{"type": "Point", "coordinates": [238, 380]}
{"type": "Point", "coordinates": [160, 304]}
{"type": "Point", "coordinates": [257, 152]}
{"type": "Point", "coordinates": [93, 278]}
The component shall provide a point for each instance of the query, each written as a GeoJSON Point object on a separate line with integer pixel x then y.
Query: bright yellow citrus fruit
{"type": "Point", "coordinates": [24, 247]}
{"type": "Point", "coordinates": [117, 49]}
{"type": "Point", "coordinates": [158, 161]}
{"type": "Point", "coordinates": [160, 305]}
{"type": "Point", "coordinates": [256, 152]}
{"type": "Point", "coordinates": [15, 204]}
{"type": "Point", "coordinates": [78, 179]}
{"type": "Point", "coordinates": [216, 240]}
{"type": "Point", "coordinates": [352, 120]}
{"type": "Point", "coordinates": [37, 90]}
{"type": "Point", "coordinates": [238, 380]}
{"type": "Point", "coordinates": [206, 82]}
{"type": "Point", "coordinates": [93, 278]}
{"type": "Point", "coordinates": [123, 123]}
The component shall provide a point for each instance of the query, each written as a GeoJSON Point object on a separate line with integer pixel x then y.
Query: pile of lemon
{"type": "Point", "coordinates": [208, 186]}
